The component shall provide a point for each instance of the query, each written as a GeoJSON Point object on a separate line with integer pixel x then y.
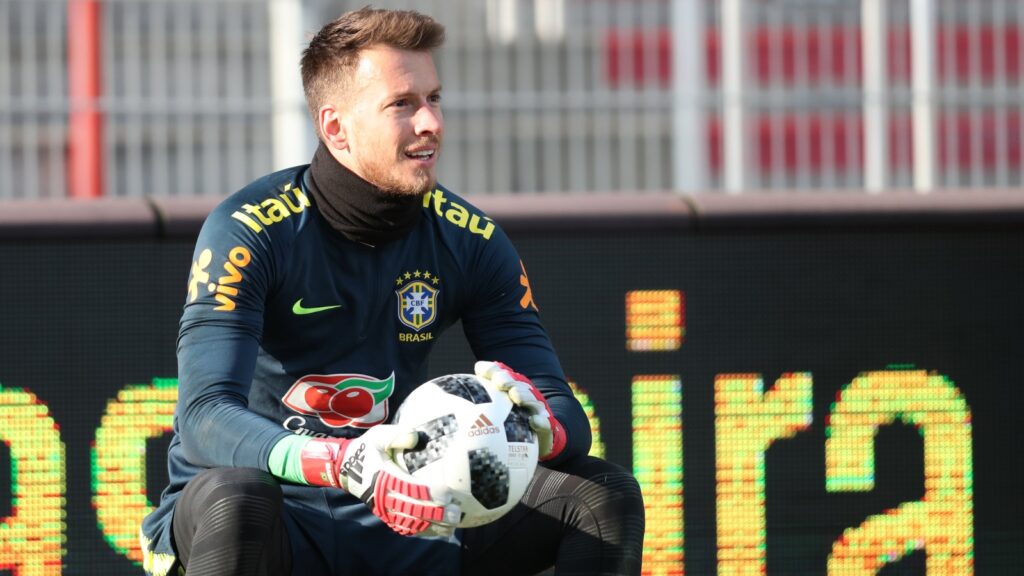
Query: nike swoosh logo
{"type": "Point", "coordinates": [301, 310]}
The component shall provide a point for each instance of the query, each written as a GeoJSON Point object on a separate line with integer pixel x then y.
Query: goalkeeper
{"type": "Point", "coordinates": [314, 298]}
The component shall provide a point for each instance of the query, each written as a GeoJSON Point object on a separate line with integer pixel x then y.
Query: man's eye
{"type": "Point", "coordinates": [435, 98]}
{"type": "Point", "coordinates": [400, 103]}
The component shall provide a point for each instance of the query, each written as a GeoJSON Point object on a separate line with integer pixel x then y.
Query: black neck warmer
{"type": "Point", "coordinates": [357, 209]}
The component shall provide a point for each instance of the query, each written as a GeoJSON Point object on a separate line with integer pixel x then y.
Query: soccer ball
{"type": "Point", "coordinates": [473, 440]}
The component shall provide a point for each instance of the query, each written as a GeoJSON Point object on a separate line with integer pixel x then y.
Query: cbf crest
{"type": "Point", "coordinates": [417, 299]}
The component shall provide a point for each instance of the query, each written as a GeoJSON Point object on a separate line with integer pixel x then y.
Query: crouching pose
{"type": "Point", "coordinates": [315, 296]}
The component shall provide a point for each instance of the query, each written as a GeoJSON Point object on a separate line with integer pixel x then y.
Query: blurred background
{"type": "Point", "coordinates": [124, 98]}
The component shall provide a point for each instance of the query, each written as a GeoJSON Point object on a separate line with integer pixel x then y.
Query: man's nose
{"type": "Point", "coordinates": [429, 120]}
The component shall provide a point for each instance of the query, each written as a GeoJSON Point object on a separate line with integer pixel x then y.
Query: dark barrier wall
{"type": "Point", "coordinates": [798, 383]}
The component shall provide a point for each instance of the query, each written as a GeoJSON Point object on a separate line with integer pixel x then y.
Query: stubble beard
{"type": "Point", "coordinates": [383, 176]}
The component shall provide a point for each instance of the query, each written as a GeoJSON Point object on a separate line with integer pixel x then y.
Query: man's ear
{"type": "Point", "coordinates": [332, 127]}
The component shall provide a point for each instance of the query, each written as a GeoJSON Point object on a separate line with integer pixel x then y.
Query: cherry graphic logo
{"type": "Point", "coordinates": [342, 399]}
{"type": "Point", "coordinates": [318, 397]}
{"type": "Point", "coordinates": [354, 403]}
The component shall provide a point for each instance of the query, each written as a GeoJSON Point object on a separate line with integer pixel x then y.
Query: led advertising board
{"type": "Point", "coordinates": [793, 401]}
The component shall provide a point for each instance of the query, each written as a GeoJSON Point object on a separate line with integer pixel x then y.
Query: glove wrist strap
{"type": "Point", "coordinates": [320, 458]}
{"type": "Point", "coordinates": [558, 439]}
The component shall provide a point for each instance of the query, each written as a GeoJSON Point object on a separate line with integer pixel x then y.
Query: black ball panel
{"type": "Point", "coordinates": [464, 386]}
{"type": "Point", "coordinates": [488, 478]}
{"type": "Point", "coordinates": [517, 426]}
{"type": "Point", "coordinates": [439, 433]}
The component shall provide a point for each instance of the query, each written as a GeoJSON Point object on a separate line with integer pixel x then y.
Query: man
{"type": "Point", "coordinates": [314, 298]}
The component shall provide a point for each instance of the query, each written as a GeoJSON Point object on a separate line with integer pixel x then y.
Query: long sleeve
{"type": "Point", "coordinates": [502, 324]}
{"type": "Point", "coordinates": [218, 345]}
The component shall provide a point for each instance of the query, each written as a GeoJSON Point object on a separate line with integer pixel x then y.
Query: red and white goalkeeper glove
{"type": "Point", "coordinates": [550, 433]}
{"type": "Point", "coordinates": [365, 467]}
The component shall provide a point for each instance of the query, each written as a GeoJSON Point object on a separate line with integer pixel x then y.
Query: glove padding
{"type": "Point", "coordinates": [523, 393]}
{"type": "Point", "coordinates": [365, 467]}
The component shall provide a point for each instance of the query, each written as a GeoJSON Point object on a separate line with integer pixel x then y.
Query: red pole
{"type": "Point", "coordinates": [85, 138]}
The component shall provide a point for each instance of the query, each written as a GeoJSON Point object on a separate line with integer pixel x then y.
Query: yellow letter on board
{"type": "Point", "coordinates": [32, 537]}
{"type": "Point", "coordinates": [119, 460]}
{"type": "Point", "coordinates": [941, 523]}
{"type": "Point", "coordinates": [658, 467]}
{"type": "Point", "coordinates": [747, 421]}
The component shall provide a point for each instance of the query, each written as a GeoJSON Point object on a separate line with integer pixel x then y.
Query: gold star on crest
{"type": "Point", "coordinates": [425, 275]}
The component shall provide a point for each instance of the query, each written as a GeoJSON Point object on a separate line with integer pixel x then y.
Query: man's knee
{"type": "Point", "coordinates": [216, 484]}
{"type": "Point", "coordinates": [229, 510]}
{"type": "Point", "coordinates": [609, 509]}
{"type": "Point", "coordinates": [607, 483]}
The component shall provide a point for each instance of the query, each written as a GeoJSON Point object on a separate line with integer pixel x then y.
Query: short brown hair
{"type": "Point", "coordinates": [332, 55]}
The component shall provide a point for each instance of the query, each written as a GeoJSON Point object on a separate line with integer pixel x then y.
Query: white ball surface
{"type": "Point", "coordinates": [475, 441]}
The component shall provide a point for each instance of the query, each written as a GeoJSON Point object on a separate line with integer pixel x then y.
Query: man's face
{"type": "Point", "coordinates": [392, 120]}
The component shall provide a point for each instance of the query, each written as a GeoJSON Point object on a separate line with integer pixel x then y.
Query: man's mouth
{"type": "Point", "coordinates": [426, 154]}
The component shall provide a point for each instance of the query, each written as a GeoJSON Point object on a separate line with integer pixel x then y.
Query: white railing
{"type": "Point", "coordinates": [201, 96]}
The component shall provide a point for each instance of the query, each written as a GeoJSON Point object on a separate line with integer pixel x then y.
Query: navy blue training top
{"type": "Point", "coordinates": [291, 328]}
